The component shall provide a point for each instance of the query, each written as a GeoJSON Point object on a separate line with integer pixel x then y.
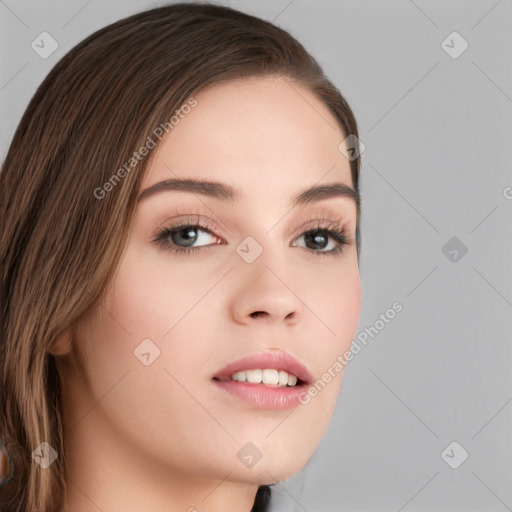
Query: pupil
{"type": "Point", "coordinates": [189, 236]}
{"type": "Point", "coordinates": [317, 238]}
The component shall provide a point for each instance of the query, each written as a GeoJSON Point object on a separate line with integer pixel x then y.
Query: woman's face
{"type": "Point", "coordinates": [256, 283]}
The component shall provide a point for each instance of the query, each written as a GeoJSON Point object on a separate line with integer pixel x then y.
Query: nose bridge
{"type": "Point", "coordinates": [266, 285]}
{"type": "Point", "coordinates": [267, 258]}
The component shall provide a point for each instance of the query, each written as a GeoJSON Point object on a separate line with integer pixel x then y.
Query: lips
{"type": "Point", "coordinates": [267, 360]}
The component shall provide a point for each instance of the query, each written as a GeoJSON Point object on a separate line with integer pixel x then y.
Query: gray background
{"type": "Point", "coordinates": [438, 133]}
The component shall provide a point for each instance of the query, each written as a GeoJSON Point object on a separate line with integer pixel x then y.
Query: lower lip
{"type": "Point", "coordinates": [263, 396]}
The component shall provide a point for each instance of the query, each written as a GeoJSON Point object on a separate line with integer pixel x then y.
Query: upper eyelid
{"type": "Point", "coordinates": [202, 218]}
{"type": "Point", "coordinates": [208, 227]}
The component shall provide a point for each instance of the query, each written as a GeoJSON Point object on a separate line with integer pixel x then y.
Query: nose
{"type": "Point", "coordinates": [264, 292]}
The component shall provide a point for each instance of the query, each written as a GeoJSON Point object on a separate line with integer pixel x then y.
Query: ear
{"type": "Point", "coordinates": [62, 345]}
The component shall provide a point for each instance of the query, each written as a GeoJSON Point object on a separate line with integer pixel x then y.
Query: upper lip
{"type": "Point", "coordinates": [263, 360]}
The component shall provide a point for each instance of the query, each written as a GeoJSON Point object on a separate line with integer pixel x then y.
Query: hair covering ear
{"type": "Point", "coordinates": [62, 345]}
{"type": "Point", "coordinates": [5, 465]}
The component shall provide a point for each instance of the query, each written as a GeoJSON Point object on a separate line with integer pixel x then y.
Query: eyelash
{"type": "Point", "coordinates": [326, 225]}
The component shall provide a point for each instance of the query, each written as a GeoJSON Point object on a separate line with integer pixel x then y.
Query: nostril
{"type": "Point", "coordinates": [257, 314]}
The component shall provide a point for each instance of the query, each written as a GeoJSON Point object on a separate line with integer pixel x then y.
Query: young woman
{"type": "Point", "coordinates": [179, 268]}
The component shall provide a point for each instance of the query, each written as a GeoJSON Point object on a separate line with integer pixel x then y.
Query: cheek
{"type": "Point", "coordinates": [140, 305]}
{"type": "Point", "coordinates": [137, 398]}
{"type": "Point", "coordinates": [342, 299]}
{"type": "Point", "coordinates": [345, 313]}
{"type": "Point", "coordinates": [333, 303]}
{"type": "Point", "coordinates": [336, 308]}
{"type": "Point", "coordinates": [152, 293]}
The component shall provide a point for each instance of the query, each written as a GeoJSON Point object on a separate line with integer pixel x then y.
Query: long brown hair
{"type": "Point", "coordinates": [59, 242]}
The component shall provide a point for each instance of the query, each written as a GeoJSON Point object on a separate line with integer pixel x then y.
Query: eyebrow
{"type": "Point", "coordinates": [225, 192]}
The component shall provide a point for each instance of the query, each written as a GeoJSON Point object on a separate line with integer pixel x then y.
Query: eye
{"type": "Point", "coordinates": [327, 239]}
{"type": "Point", "coordinates": [184, 238]}
{"type": "Point", "coordinates": [324, 242]}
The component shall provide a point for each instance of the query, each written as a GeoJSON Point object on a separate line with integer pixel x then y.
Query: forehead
{"type": "Point", "coordinates": [259, 133]}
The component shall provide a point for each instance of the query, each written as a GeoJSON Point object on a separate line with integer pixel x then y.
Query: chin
{"type": "Point", "coordinates": [270, 471]}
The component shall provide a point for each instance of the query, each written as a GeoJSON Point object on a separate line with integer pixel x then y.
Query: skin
{"type": "Point", "coordinates": [163, 437]}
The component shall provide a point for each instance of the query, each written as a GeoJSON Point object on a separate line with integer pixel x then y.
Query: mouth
{"type": "Point", "coordinates": [268, 377]}
{"type": "Point", "coordinates": [272, 380]}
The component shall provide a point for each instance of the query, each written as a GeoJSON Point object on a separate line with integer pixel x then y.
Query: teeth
{"type": "Point", "coordinates": [283, 378]}
{"type": "Point", "coordinates": [268, 376]}
{"type": "Point", "coordinates": [292, 380]}
{"type": "Point", "coordinates": [254, 376]}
